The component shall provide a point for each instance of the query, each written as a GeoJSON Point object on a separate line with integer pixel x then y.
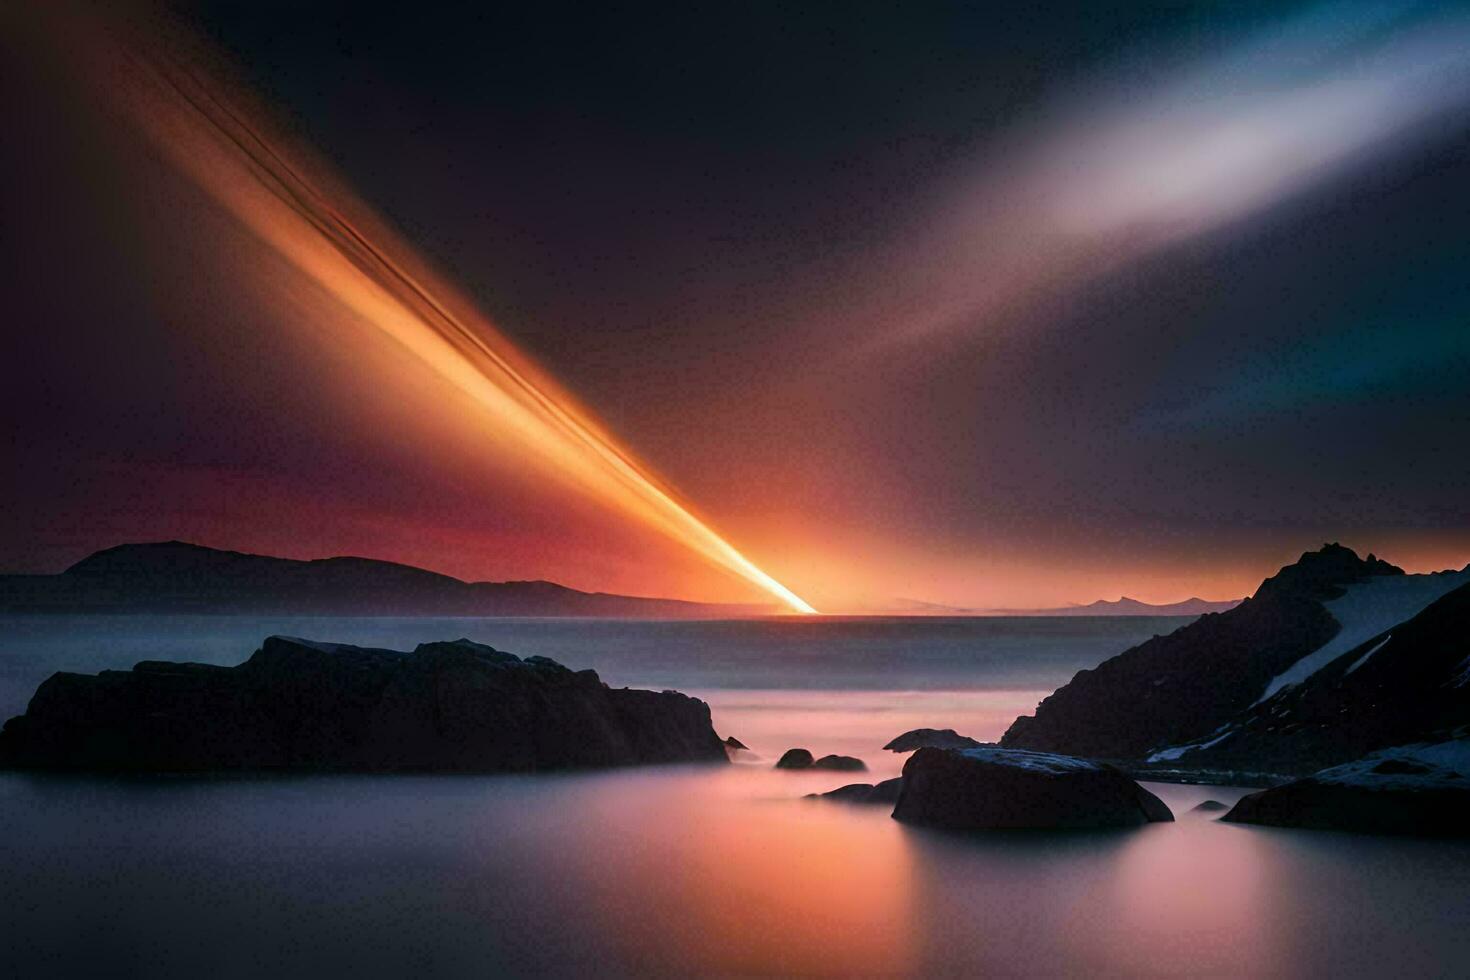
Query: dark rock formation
{"type": "Point", "coordinates": [934, 738]}
{"type": "Point", "coordinates": [1191, 685]}
{"type": "Point", "coordinates": [1209, 806]}
{"type": "Point", "coordinates": [300, 705]}
{"type": "Point", "coordinates": [1380, 794]}
{"type": "Point", "coordinates": [884, 792]}
{"type": "Point", "coordinates": [802, 759]}
{"type": "Point", "coordinates": [734, 743]}
{"type": "Point", "coordinates": [994, 789]}
{"type": "Point", "coordinates": [173, 576]}
{"type": "Point", "coordinates": [795, 759]}
{"type": "Point", "coordinates": [1408, 684]}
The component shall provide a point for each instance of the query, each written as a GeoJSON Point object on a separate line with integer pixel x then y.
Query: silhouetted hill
{"type": "Point", "coordinates": [176, 577]}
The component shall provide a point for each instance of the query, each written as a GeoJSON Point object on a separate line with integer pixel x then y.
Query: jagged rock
{"type": "Point", "coordinates": [1406, 684]}
{"type": "Point", "coordinates": [884, 792]}
{"type": "Point", "coordinates": [994, 789]}
{"type": "Point", "coordinates": [841, 763]}
{"type": "Point", "coordinates": [795, 759]}
{"type": "Point", "coordinates": [1271, 684]}
{"type": "Point", "coordinates": [1209, 806]}
{"type": "Point", "coordinates": [934, 738]}
{"type": "Point", "coordinates": [302, 705]}
{"type": "Point", "coordinates": [1392, 792]}
{"type": "Point", "coordinates": [734, 743]}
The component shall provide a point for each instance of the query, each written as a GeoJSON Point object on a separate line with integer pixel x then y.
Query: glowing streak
{"type": "Point", "coordinates": [363, 266]}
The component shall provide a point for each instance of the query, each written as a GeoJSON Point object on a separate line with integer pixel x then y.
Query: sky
{"type": "Point", "coordinates": [979, 307]}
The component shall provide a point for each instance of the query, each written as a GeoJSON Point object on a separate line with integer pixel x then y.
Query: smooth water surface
{"type": "Point", "coordinates": [691, 869]}
{"type": "Point", "coordinates": [791, 652]}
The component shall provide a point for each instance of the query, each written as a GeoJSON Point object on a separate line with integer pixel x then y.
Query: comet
{"type": "Point", "coordinates": [284, 196]}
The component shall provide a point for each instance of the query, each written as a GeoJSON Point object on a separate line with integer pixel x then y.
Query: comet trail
{"type": "Point", "coordinates": [322, 230]}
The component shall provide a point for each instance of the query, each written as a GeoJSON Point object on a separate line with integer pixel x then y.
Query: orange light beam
{"type": "Point", "coordinates": [381, 284]}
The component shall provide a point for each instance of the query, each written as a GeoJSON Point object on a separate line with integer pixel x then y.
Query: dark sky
{"type": "Point", "coordinates": [973, 305]}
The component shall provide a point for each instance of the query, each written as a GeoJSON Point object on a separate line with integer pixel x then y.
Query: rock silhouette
{"type": "Point", "coordinates": [935, 738]}
{"type": "Point", "coordinates": [299, 705]}
{"type": "Point", "coordinates": [884, 792]}
{"type": "Point", "coordinates": [795, 759]}
{"type": "Point", "coordinates": [1001, 789]}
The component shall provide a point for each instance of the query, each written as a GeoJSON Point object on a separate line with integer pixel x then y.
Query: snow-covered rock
{"type": "Point", "coordinates": [1421, 790]}
{"type": "Point", "coordinates": [1366, 610]}
{"type": "Point", "coordinates": [1356, 655]}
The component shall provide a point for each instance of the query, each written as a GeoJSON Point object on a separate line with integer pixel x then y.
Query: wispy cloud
{"type": "Point", "coordinates": [1171, 148]}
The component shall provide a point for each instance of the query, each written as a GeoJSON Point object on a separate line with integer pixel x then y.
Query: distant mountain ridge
{"type": "Point", "coordinates": [1102, 607]}
{"type": "Point", "coordinates": [1332, 657]}
{"type": "Point", "coordinates": [178, 577]}
{"type": "Point", "coordinates": [1132, 607]}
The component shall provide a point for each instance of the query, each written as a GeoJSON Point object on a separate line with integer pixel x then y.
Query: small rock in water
{"type": "Point", "coordinates": [995, 789]}
{"type": "Point", "coordinates": [851, 793]}
{"type": "Point", "coordinates": [841, 763]}
{"type": "Point", "coordinates": [885, 792]}
{"type": "Point", "coordinates": [795, 759]}
{"type": "Point", "coordinates": [1209, 806]}
{"type": "Point", "coordinates": [734, 743]}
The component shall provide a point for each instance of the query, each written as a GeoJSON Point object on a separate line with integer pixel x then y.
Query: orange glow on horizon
{"type": "Point", "coordinates": [291, 203]}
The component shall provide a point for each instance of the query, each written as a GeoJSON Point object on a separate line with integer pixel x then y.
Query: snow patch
{"type": "Point", "coordinates": [1365, 610]}
{"type": "Point", "coordinates": [1171, 754]}
{"type": "Point", "coordinates": [1464, 677]}
{"type": "Point", "coordinates": [1446, 763]}
{"type": "Point", "coordinates": [1046, 762]}
{"type": "Point", "coordinates": [1364, 658]}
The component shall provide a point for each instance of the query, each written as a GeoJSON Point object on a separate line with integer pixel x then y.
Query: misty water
{"type": "Point", "coordinates": [708, 869]}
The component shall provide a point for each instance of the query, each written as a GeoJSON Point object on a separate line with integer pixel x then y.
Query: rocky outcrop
{"type": "Point", "coordinates": [884, 792]}
{"type": "Point", "coordinates": [1406, 684]}
{"type": "Point", "coordinates": [999, 789]}
{"type": "Point", "coordinates": [1169, 699]}
{"type": "Point", "coordinates": [734, 743]}
{"type": "Point", "coordinates": [298, 705]}
{"type": "Point", "coordinates": [1394, 792]}
{"type": "Point", "coordinates": [934, 738]}
{"type": "Point", "coordinates": [795, 759]}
